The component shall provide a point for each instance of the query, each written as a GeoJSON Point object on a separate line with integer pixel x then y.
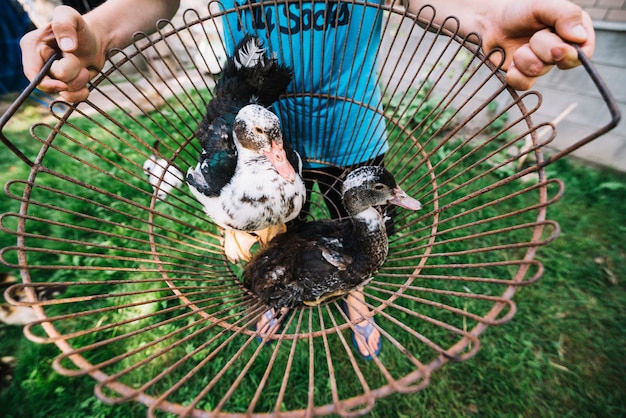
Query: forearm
{"type": "Point", "coordinates": [472, 15]}
{"type": "Point", "coordinates": [115, 21]}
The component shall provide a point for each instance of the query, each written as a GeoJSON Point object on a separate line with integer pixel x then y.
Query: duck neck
{"type": "Point", "coordinates": [370, 230]}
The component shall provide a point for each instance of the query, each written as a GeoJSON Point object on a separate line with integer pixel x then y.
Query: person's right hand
{"type": "Point", "coordinates": [69, 33]}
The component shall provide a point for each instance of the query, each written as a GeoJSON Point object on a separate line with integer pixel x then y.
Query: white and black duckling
{"type": "Point", "coordinates": [17, 315]}
{"type": "Point", "coordinates": [248, 177]}
{"type": "Point", "coordinates": [162, 176]}
{"type": "Point", "coordinates": [322, 259]}
{"type": "Point", "coordinates": [22, 315]}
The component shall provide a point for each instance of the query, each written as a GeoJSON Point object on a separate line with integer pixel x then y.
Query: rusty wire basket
{"type": "Point", "coordinates": [153, 310]}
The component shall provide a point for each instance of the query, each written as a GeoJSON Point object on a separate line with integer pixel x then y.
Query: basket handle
{"type": "Point", "coordinates": [17, 103]}
{"type": "Point", "coordinates": [610, 102]}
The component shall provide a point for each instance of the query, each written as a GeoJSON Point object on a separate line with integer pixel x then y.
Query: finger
{"type": "Point", "coordinates": [80, 81]}
{"type": "Point", "coordinates": [75, 96]}
{"type": "Point", "coordinates": [542, 43]}
{"type": "Point", "coordinates": [550, 49]}
{"type": "Point", "coordinates": [73, 77]}
{"type": "Point", "coordinates": [518, 80]}
{"type": "Point", "coordinates": [528, 63]}
{"type": "Point", "coordinates": [66, 69]}
{"type": "Point", "coordinates": [69, 93]}
{"type": "Point", "coordinates": [565, 56]}
{"type": "Point", "coordinates": [51, 85]}
{"type": "Point", "coordinates": [65, 25]}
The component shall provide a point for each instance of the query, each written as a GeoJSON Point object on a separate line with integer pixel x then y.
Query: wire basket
{"type": "Point", "coordinates": [155, 312]}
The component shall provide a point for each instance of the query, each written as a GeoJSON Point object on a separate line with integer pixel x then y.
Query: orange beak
{"type": "Point", "coordinates": [278, 158]}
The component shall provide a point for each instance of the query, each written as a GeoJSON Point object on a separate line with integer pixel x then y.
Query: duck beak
{"type": "Point", "coordinates": [404, 200]}
{"type": "Point", "coordinates": [278, 158]}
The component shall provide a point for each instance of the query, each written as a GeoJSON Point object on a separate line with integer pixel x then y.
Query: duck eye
{"type": "Point", "coordinates": [379, 186]}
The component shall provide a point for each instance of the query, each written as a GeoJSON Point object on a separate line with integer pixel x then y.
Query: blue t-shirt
{"type": "Point", "coordinates": [332, 113]}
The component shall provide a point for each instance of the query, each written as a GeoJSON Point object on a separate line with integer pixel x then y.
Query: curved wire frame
{"type": "Point", "coordinates": [153, 310]}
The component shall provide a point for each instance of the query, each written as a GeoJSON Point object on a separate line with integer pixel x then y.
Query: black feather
{"type": "Point", "coordinates": [218, 159]}
{"type": "Point", "coordinates": [265, 81]}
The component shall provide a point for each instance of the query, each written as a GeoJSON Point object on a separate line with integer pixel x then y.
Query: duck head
{"type": "Point", "coordinates": [258, 130]}
{"type": "Point", "coordinates": [370, 186]}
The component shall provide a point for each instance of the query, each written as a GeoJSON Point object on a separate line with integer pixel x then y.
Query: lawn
{"type": "Point", "coordinates": [561, 354]}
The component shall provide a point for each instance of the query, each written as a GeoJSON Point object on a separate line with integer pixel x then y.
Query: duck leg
{"type": "Point", "coordinates": [266, 235]}
{"type": "Point", "coordinates": [237, 245]}
{"type": "Point", "coordinates": [324, 298]}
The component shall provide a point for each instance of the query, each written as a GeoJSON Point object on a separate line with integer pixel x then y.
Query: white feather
{"type": "Point", "coordinates": [249, 55]}
{"type": "Point", "coordinates": [371, 217]}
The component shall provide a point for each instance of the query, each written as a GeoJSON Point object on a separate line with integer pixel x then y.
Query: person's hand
{"type": "Point", "coordinates": [536, 36]}
{"type": "Point", "coordinates": [69, 33]}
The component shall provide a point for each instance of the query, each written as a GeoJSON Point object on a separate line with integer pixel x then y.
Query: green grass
{"type": "Point", "coordinates": [561, 355]}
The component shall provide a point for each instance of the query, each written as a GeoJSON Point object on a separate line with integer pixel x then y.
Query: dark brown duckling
{"type": "Point", "coordinates": [322, 259]}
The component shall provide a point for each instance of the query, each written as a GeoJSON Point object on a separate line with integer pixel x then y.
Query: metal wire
{"type": "Point", "coordinates": [153, 310]}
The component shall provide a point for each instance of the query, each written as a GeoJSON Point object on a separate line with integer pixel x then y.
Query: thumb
{"type": "Point", "coordinates": [571, 24]}
{"type": "Point", "coordinates": [65, 24]}
{"type": "Point", "coordinates": [567, 19]}
{"type": "Point", "coordinates": [572, 31]}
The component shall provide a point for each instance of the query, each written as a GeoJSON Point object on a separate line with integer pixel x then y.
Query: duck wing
{"type": "Point", "coordinates": [217, 161]}
{"type": "Point", "coordinates": [334, 253]}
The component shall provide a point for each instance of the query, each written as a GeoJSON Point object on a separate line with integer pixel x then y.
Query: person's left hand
{"type": "Point", "coordinates": [537, 35]}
